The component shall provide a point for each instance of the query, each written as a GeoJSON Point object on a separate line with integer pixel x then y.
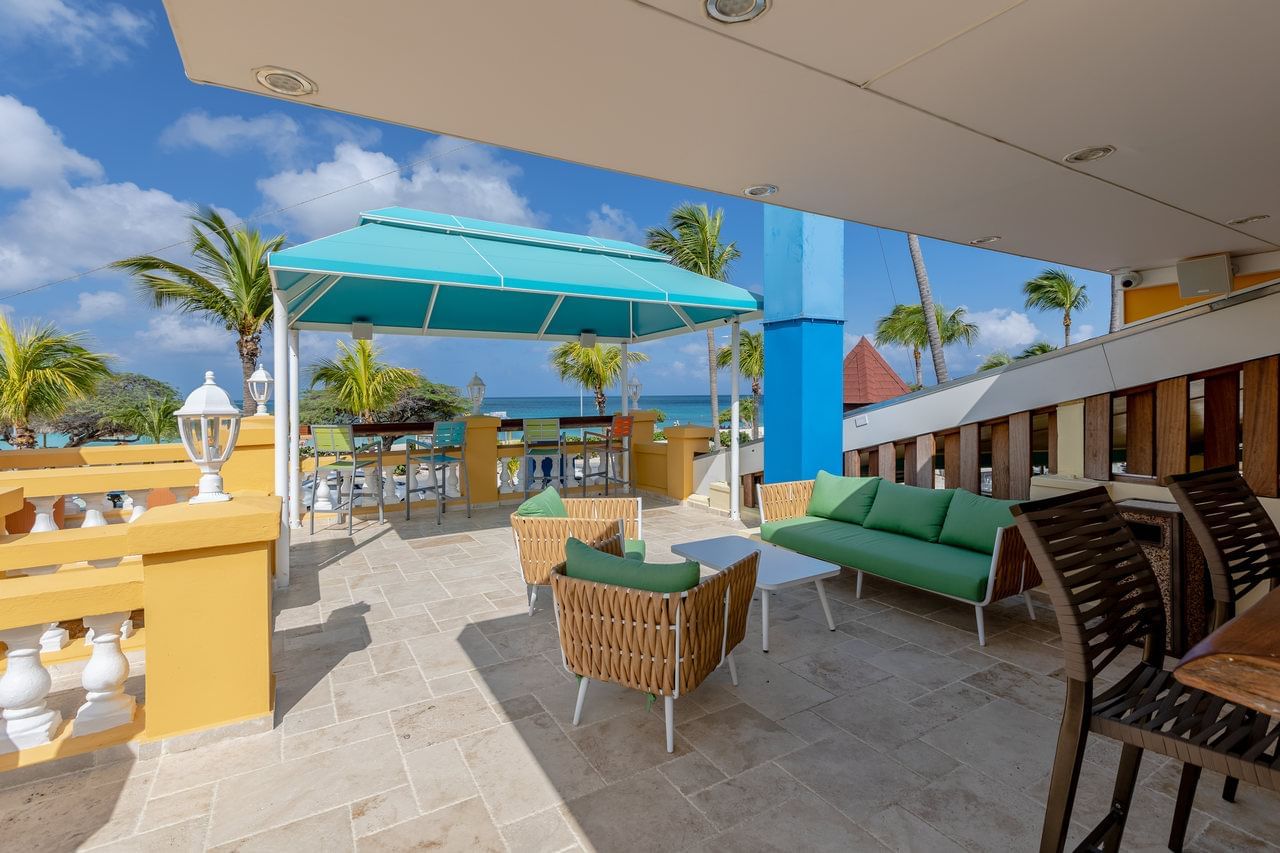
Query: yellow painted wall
{"type": "Point", "coordinates": [1151, 300]}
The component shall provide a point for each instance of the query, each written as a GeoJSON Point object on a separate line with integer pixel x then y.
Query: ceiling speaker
{"type": "Point", "coordinates": [1201, 277]}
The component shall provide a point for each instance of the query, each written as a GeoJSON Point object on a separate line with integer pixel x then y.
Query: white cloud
{"type": "Point", "coordinates": [471, 181]}
{"type": "Point", "coordinates": [97, 305]}
{"type": "Point", "coordinates": [59, 229]}
{"type": "Point", "coordinates": [1082, 332]}
{"type": "Point", "coordinates": [92, 33]}
{"type": "Point", "coordinates": [170, 333]}
{"type": "Point", "coordinates": [275, 134]}
{"type": "Point", "coordinates": [32, 154]}
{"type": "Point", "coordinates": [1003, 329]}
{"type": "Point", "coordinates": [613, 224]}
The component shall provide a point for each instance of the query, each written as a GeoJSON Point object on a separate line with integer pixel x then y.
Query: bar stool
{"type": "Point", "coordinates": [338, 441]}
{"type": "Point", "coordinates": [447, 447]}
{"type": "Point", "coordinates": [615, 437]}
{"type": "Point", "coordinates": [542, 440]}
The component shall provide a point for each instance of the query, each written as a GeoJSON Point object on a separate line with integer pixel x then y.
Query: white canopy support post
{"type": "Point", "coordinates": [735, 478]}
{"type": "Point", "coordinates": [295, 450]}
{"type": "Point", "coordinates": [622, 380]}
{"type": "Point", "coordinates": [280, 345]}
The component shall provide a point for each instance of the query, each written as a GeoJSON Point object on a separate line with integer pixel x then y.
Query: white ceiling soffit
{"type": "Point", "coordinates": [655, 89]}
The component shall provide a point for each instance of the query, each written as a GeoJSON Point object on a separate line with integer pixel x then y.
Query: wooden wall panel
{"type": "Point", "coordinates": [951, 460]}
{"type": "Point", "coordinates": [1000, 460]}
{"type": "Point", "coordinates": [1097, 437]}
{"type": "Point", "coordinates": [852, 468]}
{"type": "Point", "coordinates": [926, 449]}
{"type": "Point", "coordinates": [1019, 456]}
{"type": "Point", "coordinates": [1262, 424]}
{"type": "Point", "coordinates": [1053, 442]}
{"type": "Point", "coordinates": [1172, 424]}
{"type": "Point", "coordinates": [1140, 433]}
{"type": "Point", "coordinates": [1221, 419]}
{"type": "Point", "coordinates": [970, 461]}
{"type": "Point", "coordinates": [909, 463]}
{"type": "Point", "coordinates": [887, 462]}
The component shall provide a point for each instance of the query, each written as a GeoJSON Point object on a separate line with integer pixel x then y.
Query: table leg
{"type": "Point", "coordinates": [826, 606]}
{"type": "Point", "coordinates": [764, 619]}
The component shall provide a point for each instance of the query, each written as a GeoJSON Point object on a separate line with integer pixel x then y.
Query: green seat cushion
{"type": "Point", "coordinates": [545, 504]}
{"type": "Point", "coordinates": [586, 563]}
{"type": "Point", "coordinates": [842, 498]}
{"type": "Point", "coordinates": [972, 521]}
{"type": "Point", "coordinates": [633, 549]}
{"type": "Point", "coordinates": [909, 510]}
{"type": "Point", "coordinates": [927, 565]}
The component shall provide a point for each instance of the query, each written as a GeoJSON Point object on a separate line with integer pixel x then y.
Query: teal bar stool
{"type": "Point", "coordinates": [542, 441]}
{"type": "Point", "coordinates": [339, 441]}
{"type": "Point", "coordinates": [447, 447]}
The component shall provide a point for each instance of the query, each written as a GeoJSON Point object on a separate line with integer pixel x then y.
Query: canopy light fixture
{"type": "Point", "coordinates": [760, 190]}
{"type": "Point", "coordinates": [361, 331]}
{"type": "Point", "coordinates": [735, 11]}
{"type": "Point", "coordinates": [982, 241]}
{"type": "Point", "coordinates": [1249, 220]}
{"type": "Point", "coordinates": [282, 81]}
{"type": "Point", "coordinates": [587, 339]}
{"type": "Point", "coordinates": [1088, 155]}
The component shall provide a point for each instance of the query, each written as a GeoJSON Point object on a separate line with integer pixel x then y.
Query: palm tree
{"type": "Point", "coordinates": [593, 368]}
{"type": "Point", "coordinates": [1038, 348]}
{"type": "Point", "coordinates": [229, 284]}
{"type": "Point", "coordinates": [361, 384]}
{"type": "Point", "coordinates": [151, 418]}
{"type": "Point", "coordinates": [750, 365]}
{"type": "Point", "coordinates": [692, 241]}
{"type": "Point", "coordinates": [999, 358]}
{"type": "Point", "coordinates": [933, 334]}
{"type": "Point", "coordinates": [1055, 290]}
{"type": "Point", "coordinates": [905, 326]}
{"type": "Point", "coordinates": [1003, 359]}
{"type": "Point", "coordinates": [41, 371]}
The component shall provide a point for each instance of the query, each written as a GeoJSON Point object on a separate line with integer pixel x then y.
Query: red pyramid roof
{"type": "Point", "coordinates": [868, 378]}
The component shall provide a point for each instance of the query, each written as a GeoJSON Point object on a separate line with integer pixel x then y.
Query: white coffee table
{"type": "Point", "coordinates": [778, 569]}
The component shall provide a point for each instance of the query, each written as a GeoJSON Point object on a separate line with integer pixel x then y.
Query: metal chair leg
{"type": "Point", "coordinates": [466, 483]}
{"type": "Point", "coordinates": [669, 704]}
{"type": "Point", "coordinates": [1182, 808]}
{"type": "Point", "coordinates": [582, 697]}
{"type": "Point", "coordinates": [1229, 788]}
{"type": "Point", "coordinates": [351, 498]}
{"type": "Point", "coordinates": [1066, 768]}
{"type": "Point", "coordinates": [1122, 795]}
{"type": "Point", "coordinates": [315, 483]}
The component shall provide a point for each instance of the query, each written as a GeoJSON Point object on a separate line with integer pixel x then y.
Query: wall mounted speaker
{"type": "Point", "coordinates": [1209, 276]}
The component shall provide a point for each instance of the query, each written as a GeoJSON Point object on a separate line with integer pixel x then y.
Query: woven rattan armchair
{"type": "Point", "coordinates": [540, 540]}
{"type": "Point", "coordinates": [1241, 547]}
{"type": "Point", "coordinates": [1107, 599]}
{"type": "Point", "coordinates": [664, 644]}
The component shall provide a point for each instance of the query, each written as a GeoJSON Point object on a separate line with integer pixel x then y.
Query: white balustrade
{"type": "Point", "coordinates": [454, 482]}
{"type": "Point", "coordinates": [389, 486]}
{"type": "Point", "coordinates": [323, 501]}
{"type": "Point", "coordinates": [27, 719]}
{"type": "Point", "coordinates": [106, 704]}
{"type": "Point", "coordinates": [139, 500]}
{"type": "Point", "coordinates": [432, 485]}
{"type": "Point", "coordinates": [93, 516]}
{"type": "Point", "coordinates": [44, 521]}
{"type": "Point", "coordinates": [410, 481]}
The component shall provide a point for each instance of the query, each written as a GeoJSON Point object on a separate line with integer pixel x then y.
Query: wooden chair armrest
{"type": "Point", "coordinates": [780, 501]}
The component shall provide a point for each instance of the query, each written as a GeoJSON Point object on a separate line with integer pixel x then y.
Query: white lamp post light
{"type": "Point", "coordinates": [260, 383]}
{"type": "Point", "coordinates": [475, 391]}
{"type": "Point", "coordinates": [633, 391]}
{"type": "Point", "coordinates": [208, 425]}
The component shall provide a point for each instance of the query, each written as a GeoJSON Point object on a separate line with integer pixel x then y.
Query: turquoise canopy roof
{"type": "Point", "coordinates": [414, 272]}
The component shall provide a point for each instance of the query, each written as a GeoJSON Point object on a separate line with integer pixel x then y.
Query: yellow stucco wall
{"type": "Point", "coordinates": [1156, 299]}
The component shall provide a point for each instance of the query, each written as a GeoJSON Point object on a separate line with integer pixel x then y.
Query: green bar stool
{"type": "Point", "coordinates": [446, 447]}
{"type": "Point", "coordinates": [338, 441]}
{"type": "Point", "coordinates": [542, 440]}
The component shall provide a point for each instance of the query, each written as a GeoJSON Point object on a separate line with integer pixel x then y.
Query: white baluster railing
{"type": "Point", "coordinates": [106, 704]}
{"type": "Point", "coordinates": [27, 720]}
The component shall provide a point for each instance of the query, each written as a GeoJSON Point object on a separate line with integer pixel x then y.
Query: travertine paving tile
{"type": "Point", "coordinates": [738, 738]}
{"type": "Point", "coordinates": [436, 720]}
{"type": "Point", "coordinates": [461, 828]}
{"type": "Point", "coordinates": [194, 768]}
{"type": "Point", "coordinates": [855, 779]}
{"type": "Point", "coordinates": [377, 812]}
{"type": "Point", "coordinates": [803, 823]}
{"type": "Point", "coordinates": [366, 696]}
{"type": "Point", "coordinates": [327, 831]}
{"type": "Point", "coordinates": [740, 797]}
{"type": "Point", "coordinates": [609, 820]}
{"type": "Point", "coordinates": [624, 745]}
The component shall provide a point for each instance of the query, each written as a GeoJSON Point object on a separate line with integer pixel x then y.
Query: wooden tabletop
{"type": "Point", "coordinates": [1241, 660]}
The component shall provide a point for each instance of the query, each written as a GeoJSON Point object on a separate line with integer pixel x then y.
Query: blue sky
{"type": "Point", "coordinates": [106, 145]}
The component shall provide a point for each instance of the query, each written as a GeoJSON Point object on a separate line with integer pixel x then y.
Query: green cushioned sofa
{"type": "Point", "coordinates": [946, 541]}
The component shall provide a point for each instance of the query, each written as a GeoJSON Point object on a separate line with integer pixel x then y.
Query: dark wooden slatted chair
{"type": "Point", "coordinates": [1240, 544]}
{"type": "Point", "coordinates": [1107, 598]}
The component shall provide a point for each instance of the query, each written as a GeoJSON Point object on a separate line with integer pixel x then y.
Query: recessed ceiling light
{"type": "Point", "coordinates": [982, 241]}
{"type": "Point", "coordinates": [1088, 155]}
{"type": "Point", "coordinates": [1249, 220]}
{"type": "Point", "coordinates": [760, 190]}
{"type": "Point", "coordinates": [282, 81]}
{"type": "Point", "coordinates": [735, 11]}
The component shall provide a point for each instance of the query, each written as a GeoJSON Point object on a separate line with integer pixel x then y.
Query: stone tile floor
{"type": "Point", "coordinates": [419, 706]}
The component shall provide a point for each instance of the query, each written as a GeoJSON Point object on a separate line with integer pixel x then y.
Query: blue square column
{"type": "Point", "coordinates": [803, 343]}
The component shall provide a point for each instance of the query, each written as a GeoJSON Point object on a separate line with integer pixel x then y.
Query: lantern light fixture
{"type": "Point", "coordinates": [475, 392]}
{"type": "Point", "coordinates": [260, 383]}
{"type": "Point", "coordinates": [633, 391]}
{"type": "Point", "coordinates": [208, 425]}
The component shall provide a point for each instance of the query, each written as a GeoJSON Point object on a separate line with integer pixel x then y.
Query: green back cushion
{"type": "Point", "coordinates": [842, 498]}
{"type": "Point", "coordinates": [972, 521]}
{"type": "Point", "coordinates": [545, 504]}
{"type": "Point", "coordinates": [909, 511]}
{"type": "Point", "coordinates": [586, 563]}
